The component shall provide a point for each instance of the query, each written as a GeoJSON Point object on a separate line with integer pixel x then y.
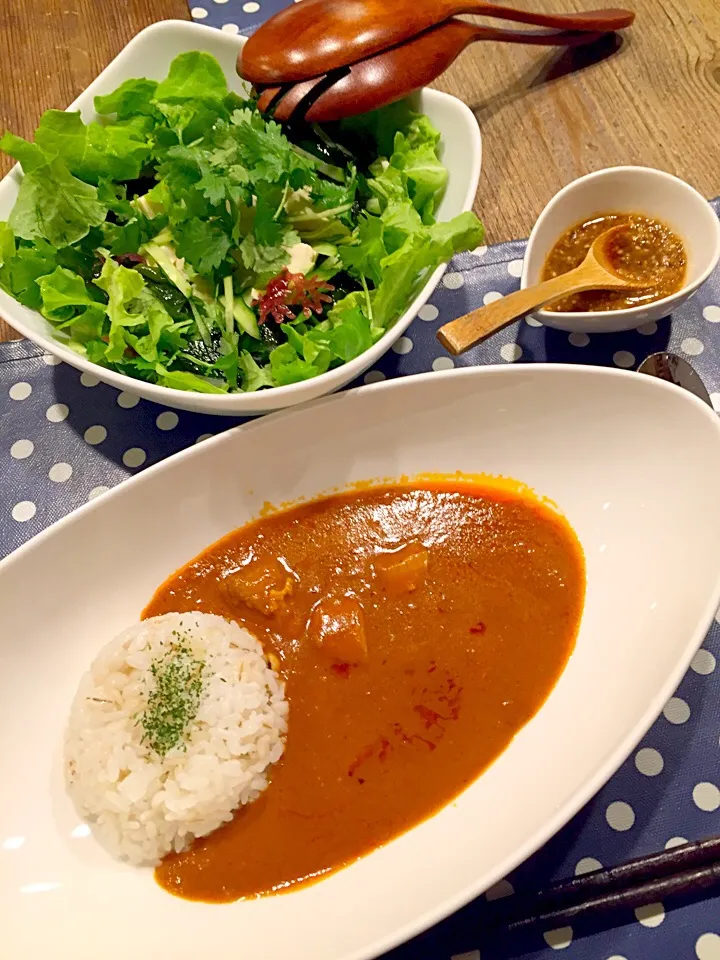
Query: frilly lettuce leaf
{"type": "Point", "coordinates": [116, 151]}
{"type": "Point", "coordinates": [52, 204]}
{"type": "Point", "coordinates": [132, 98]}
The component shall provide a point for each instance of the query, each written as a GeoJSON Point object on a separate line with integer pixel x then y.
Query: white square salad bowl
{"type": "Point", "coordinates": [149, 54]}
{"type": "Point", "coordinates": [594, 441]}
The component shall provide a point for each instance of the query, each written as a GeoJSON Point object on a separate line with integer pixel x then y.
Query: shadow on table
{"type": "Point", "coordinates": [555, 66]}
{"type": "Point", "coordinates": [546, 345]}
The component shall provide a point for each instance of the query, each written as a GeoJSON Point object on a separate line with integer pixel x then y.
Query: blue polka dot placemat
{"type": "Point", "coordinates": [66, 438]}
{"type": "Point", "coordinates": [235, 16]}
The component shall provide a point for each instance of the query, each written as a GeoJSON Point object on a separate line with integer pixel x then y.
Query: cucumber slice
{"type": "Point", "coordinates": [245, 318]}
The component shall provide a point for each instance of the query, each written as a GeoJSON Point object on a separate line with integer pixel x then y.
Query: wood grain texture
{"type": "Point", "coordinates": [546, 117]}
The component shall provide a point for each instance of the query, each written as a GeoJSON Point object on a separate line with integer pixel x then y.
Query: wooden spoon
{"type": "Point", "coordinates": [395, 73]}
{"type": "Point", "coordinates": [596, 272]}
{"type": "Point", "coordinates": [316, 36]}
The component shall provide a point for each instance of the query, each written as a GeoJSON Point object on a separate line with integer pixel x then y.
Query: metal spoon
{"type": "Point", "coordinates": [596, 272]}
{"type": "Point", "coordinates": [393, 74]}
{"type": "Point", "coordinates": [318, 36]}
{"type": "Point", "coordinates": [670, 367]}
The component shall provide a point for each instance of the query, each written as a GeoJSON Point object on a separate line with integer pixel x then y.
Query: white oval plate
{"type": "Point", "coordinates": [632, 462]}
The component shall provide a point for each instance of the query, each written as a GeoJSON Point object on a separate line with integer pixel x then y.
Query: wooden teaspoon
{"type": "Point", "coordinates": [596, 272]}
{"type": "Point", "coordinates": [317, 36]}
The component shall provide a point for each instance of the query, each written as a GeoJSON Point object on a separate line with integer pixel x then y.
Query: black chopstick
{"type": "Point", "coordinates": [690, 869]}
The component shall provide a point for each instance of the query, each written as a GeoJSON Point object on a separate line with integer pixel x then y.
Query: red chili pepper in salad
{"type": "Point", "coordinates": [289, 290]}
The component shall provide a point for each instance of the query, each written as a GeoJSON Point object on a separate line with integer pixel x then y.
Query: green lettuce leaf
{"type": "Point", "coordinates": [138, 320]}
{"type": "Point", "coordinates": [351, 333]}
{"type": "Point", "coordinates": [406, 268]}
{"type": "Point", "coordinates": [117, 151]}
{"type": "Point", "coordinates": [131, 99]}
{"type": "Point", "coordinates": [22, 267]}
{"type": "Point", "coordinates": [192, 76]}
{"type": "Point", "coordinates": [253, 376]}
{"type": "Point", "coordinates": [192, 97]}
{"type": "Point", "coordinates": [287, 367]}
{"type": "Point", "coordinates": [52, 204]}
{"type": "Point", "coordinates": [365, 257]}
{"type": "Point", "coordinates": [415, 155]}
{"type": "Point", "coordinates": [400, 220]}
{"type": "Point", "coordinates": [64, 295]}
{"type": "Point", "coordinates": [7, 243]}
{"type": "Point", "coordinates": [184, 380]}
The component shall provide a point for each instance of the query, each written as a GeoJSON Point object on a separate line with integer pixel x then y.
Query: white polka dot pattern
{"type": "Point", "coordinates": [20, 391]}
{"type": "Point", "coordinates": [453, 281]}
{"type": "Point", "coordinates": [707, 947]}
{"type": "Point", "coordinates": [23, 511]}
{"type": "Point", "coordinates": [443, 363]}
{"type": "Point", "coordinates": [57, 412]}
{"type": "Point", "coordinates": [558, 939]}
{"type": "Point", "coordinates": [60, 472]}
{"type": "Point", "coordinates": [675, 842]}
{"type": "Point", "coordinates": [515, 268]}
{"type": "Point", "coordinates": [676, 711]}
{"type": "Point", "coordinates": [127, 400]}
{"type": "Point", "coordinates": [428, 312]}
{"type": "Point", "coordinates": [511, 352]}
{"type": "Point", "coordinates": [703, 662]}
{"type": "Point", "coordinates": [649, 761]}
{"type": "Point", "coordinates": [706, 797]}
{"type": "Point", "coordinates": [134, 457]}
{"type": "Point", "coordinates": [402, 346]}
{"type": "Point", "coordinates": [167, 420]}
{"type": "Point", "coordinates": [650, 915]}
{"type": "Point", "coordinates": [21, 449]}
{"type": "Point", "coordinates": [623, 358]}
{"type": "Point", "coordinates": [620, 816]}
{"type": "Point", "coordinates": [95, 434]}
{"type": "Point", "coordinates": [692, 346]}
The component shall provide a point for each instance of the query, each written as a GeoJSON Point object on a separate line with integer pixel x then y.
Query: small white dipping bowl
{"type": "Point", "coordinates": [642, 190]}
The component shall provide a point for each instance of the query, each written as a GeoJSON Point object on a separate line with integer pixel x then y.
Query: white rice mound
{"type": "Point", "coordinates": [142, 806]}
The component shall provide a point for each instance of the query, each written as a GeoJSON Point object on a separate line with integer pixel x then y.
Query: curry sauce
{"type": "Point", "coordinates": [418, 628]}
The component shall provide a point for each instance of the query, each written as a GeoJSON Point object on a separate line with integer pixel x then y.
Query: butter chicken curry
{"type": "Point", "coordinates": [418, 627]}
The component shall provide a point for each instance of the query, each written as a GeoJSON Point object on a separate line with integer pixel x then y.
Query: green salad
{"type": "Point", "coordinates": [189, 241]}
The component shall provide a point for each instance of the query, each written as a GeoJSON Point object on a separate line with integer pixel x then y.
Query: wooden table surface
{"type": "Point", "coordinates": [546, 117]}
